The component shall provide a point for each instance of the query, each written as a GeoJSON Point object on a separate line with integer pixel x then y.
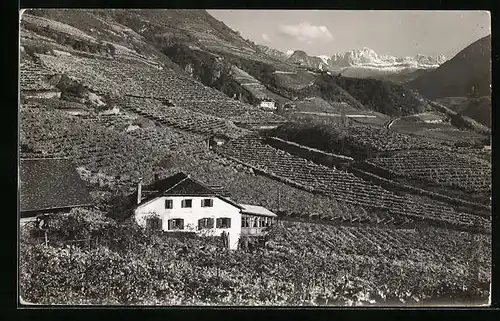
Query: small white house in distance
{"type": "Point", "coordinates": [267, 103]}
{"type": "Point", "coordinates": [180, 203]}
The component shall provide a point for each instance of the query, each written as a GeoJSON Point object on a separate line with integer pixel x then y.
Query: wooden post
{"type": "Point", "coordinates": [218, 263]}
{"type": "Point", "coordinates": [46, 239]}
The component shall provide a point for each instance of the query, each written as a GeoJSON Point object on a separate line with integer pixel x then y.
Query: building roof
{"type": "Point", "coordinates": [181, 184]}
{"type": "Point", "coordinates": [51, 183]}
{"type": "Point", "coordinates": [256, 210]}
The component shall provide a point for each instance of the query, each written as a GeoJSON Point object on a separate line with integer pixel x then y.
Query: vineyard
{"type": "Point", "coordinates": [181, 118]}
{"type": "Point", "coordinates": [297, 264]}
{"type": "Point", "coordinates": [33, 76]}
{"type": "Point", "coordinates": [433, 244]}
{"type": "Point", "coordinates": [339, 184]}
{"type": "Point", "coordinates": [441, 168]}
{"type": "Point", "coordinates": [355, 140]}
{"type": "Point", "coordinates": [124, 78]}
{"type": "Point", "coordinates": [97, 148]}
{"type": "Point", "coordinates": [381, 140]}
{"type": "Point", "coordinates": [271, 193]}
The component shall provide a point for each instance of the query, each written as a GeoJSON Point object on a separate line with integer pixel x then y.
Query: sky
{"type": "Point", "coordinates": [326, 32]}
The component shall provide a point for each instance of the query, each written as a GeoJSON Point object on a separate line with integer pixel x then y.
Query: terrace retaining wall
{"type": "Point", "coordinates": [366, 171]}
{"type": "Point", "coordinates": [315, 155]}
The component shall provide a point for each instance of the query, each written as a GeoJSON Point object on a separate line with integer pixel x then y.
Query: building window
{"type": "Point", "coordinates": [169, 204]}
{"type": "Point", "coordinates": [245, 222]}
{"type": "Point", "coordinates": [153, 223]}
{"type": "Point", "coordinates": [255, 222]}
{"type": "Point", "coordinates": [223, 222]}
{"type": "Point", "coordinates": [176, 224]}
{"type": "Point", "coordinates": [187, 203]}
{"type": "Point", "coordinates": [205, 223]}
{"type": "Point", "coordinates": [207, 202]}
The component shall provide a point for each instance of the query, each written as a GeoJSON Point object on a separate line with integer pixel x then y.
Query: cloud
{"type": "Point", "coordinates": [306, 32]}
{"type": "Point", "coordinates": [266, 37]}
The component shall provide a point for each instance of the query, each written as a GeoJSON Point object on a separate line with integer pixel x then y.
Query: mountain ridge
{"type": "Point", "coordinates": [468, 73]}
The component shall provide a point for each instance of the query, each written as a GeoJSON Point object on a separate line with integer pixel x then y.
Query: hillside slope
{"type": "Point", "coordinates": [468, 74]}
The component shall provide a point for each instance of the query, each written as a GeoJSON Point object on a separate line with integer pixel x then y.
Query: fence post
{"type": "Point", "coordinates": [46, 239]}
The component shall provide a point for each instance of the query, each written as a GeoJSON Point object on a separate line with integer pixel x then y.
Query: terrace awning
{"type": "Point", "coordinates": [256, 210]}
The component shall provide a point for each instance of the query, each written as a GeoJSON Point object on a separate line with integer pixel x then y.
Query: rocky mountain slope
{"type": "Point", "coordinates": [365, 63]}
{"type": "Point", "coordinates": [301, 57]}
{"type": "Point", "coordinates": [194, 44]}
{"type": "Point", "coordinates": [369, 58]}
{"type": "Point", "coordinates": [467, 74]}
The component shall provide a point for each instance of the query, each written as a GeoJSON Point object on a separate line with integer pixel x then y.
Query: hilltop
{"type": "Point", "coordinates": [467, 74]}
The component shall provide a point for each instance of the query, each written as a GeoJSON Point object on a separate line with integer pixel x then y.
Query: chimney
{"type": "Point", "coordinates": [139, 190]}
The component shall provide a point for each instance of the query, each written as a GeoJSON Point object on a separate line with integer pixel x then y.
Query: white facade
{"type": "Point", "coordinates": [113, 111]}
{"type": "Point", "coordinates": [268, 104]}
{"type": "Point", "coordinates": [433, 121]}
{"type": "Point", "coordinates": [42, 94]}
{"type": "Point", "coordinates": [26, 220]}
{"type": "Point", "coordinates": [191, 216]}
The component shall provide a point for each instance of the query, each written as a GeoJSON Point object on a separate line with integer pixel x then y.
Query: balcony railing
{"type": "Point", "coordinates": [254, 230]}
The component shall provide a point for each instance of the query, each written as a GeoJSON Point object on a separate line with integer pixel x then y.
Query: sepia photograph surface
{"type": "Point", "coordinates": [254, 158]}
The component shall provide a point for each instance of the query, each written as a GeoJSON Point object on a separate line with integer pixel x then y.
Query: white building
{"type": "Point", "coordinates": [268, 104]}
{"type": "Point", "coordinates": [180, 203]}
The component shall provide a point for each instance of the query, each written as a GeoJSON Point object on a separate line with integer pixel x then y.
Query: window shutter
{"type": "Point", "coordinates": [181, 224]}
{"type": "Point", "coordinates": [202, 203]}
{"type": "Point", "coordinates": [183, 203]}
{"type": "Point", "coordinates": [170, 224]}
{"type": "Point", "coordinates": [200, 223]}
{"type": "Point", "coordinates": [228, 222]}
{"type": "Point", "coordinates": [210, 223]}
{"type": "Point", "coordinates": [218, 222]}
{"type": "Point", "coordinates": [211, 202]}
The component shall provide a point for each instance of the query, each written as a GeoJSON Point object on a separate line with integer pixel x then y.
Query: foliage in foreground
{"type": "Point", "coordinates": [134, 267]}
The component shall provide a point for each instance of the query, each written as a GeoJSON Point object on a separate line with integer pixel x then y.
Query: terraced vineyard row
{"type": "Point", "coordinates": [127, 78]}
{"type": "Point", "coordinates": [444, 168]}
{"type": "Point", "coordinates": [382, 140]}
{"type": "Point", "coordinates": [419, 246]}
{"type": "Point", "coordinates": [33, 76]}
{"type": "Point", "coordinates": [246, 187]}
{"type": "Point", "coordinates": [161, 137]}
{"type": "Point", "coordinates": [341, 185]}
{"type": "Point", "coordinates": [182, 118]}
{"type": "Point", "coordinates": [233, 110]}
{"type": "Point", "coordinates": [92, 145]}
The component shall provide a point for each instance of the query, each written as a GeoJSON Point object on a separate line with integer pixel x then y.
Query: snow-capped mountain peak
{"type": "Point", "coordinates": [369, 58]}
{"type": "Point", "coordinates": [325, 58]}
